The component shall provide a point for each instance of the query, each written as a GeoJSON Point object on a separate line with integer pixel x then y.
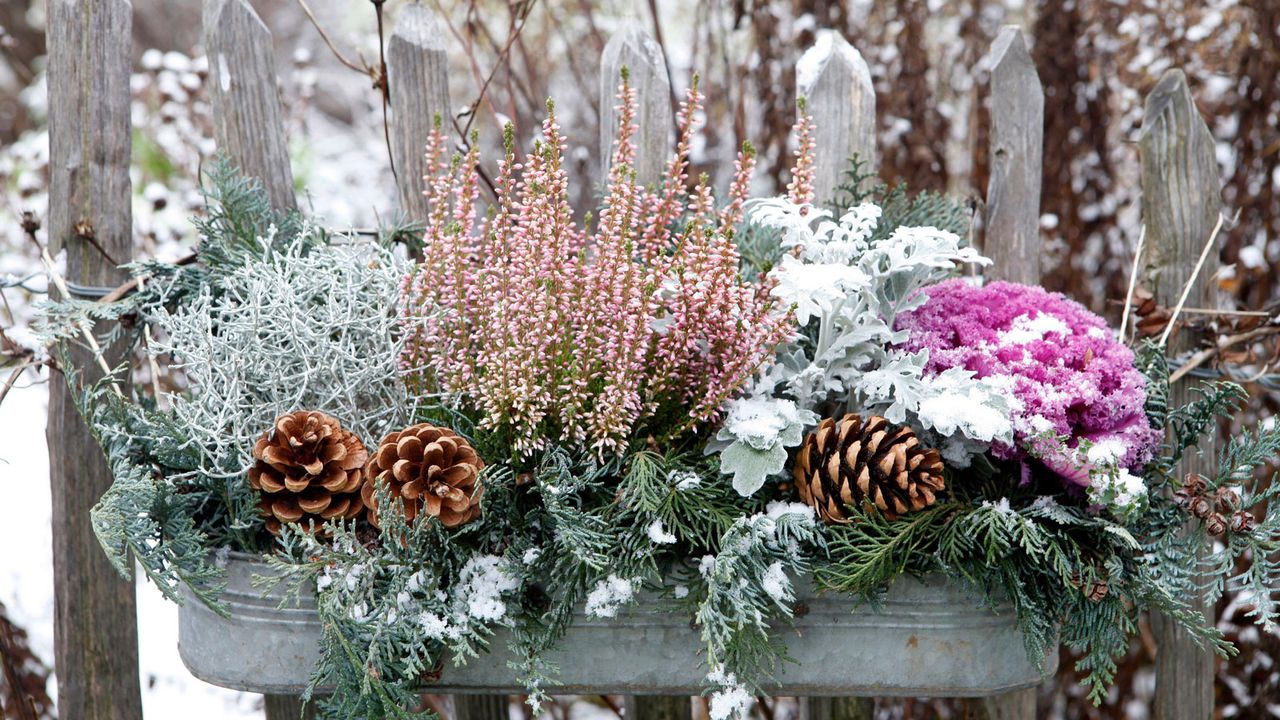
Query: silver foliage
{"type": "Point", "coordinates": [296, 328]}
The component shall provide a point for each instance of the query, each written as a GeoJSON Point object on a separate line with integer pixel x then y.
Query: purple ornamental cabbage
{"type": "Point", "coordinates": [1065, 376]}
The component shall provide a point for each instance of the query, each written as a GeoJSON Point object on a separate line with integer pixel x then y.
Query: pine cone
{"type": "Point", "coordinates": [432, 469]}
{"type": "Point", "coordinates": [866, 462]}
{"type": "Point", "coordinates": [308, 470]}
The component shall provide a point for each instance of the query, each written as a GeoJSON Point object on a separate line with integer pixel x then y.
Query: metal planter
{"type": "Point", "coordinates": [930, 638]}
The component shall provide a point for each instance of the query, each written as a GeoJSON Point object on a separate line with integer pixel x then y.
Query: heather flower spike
{"type": "Point", "coordinates": [581, 334]}
{"type": "Point", "coordinates": [800, 189]}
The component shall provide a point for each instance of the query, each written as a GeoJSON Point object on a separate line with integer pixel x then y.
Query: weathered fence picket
{"type": "Point", "coordinates": [248, 123]}
{"type": "Point", "coordinates": [418, 77]}
{"type": "Point", "coordinates": [836, 84]}
{"type": "Point", "coordinates": [633, 49]}
{"type": "Point", "coordinates": [837, 708]}
{"type": "Point", "coordinates": [657, 707]}
{"type": "Point", "coordinates": [418, 83]}
{"type": "Point", "coordinates": [95, 625]}
{"type": "Point", "coordinates": [1012, 227]}
{"type": "Point", "coordinates": [1012, 223]}
{"type": "Point", "coordinates": [1181, 206]}
{"type": "Point", "coordinates": [481, 707]}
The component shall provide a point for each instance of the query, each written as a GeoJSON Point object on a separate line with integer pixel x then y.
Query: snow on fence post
{"type": "Point", "coordinates": [247, 120]}
{"type": "Point", "coordinates": [1012, 227]}
{"type": "Point", "coordinates": [632, 48]}
{"type": "Point", "coordinates": [836, 84]}
{"type": "Point", "coordinates": [95, 625]}
{"type": "Point", "coordinates": [1181, 205]}
{"type": "Point", "coordinates": [418, 78]}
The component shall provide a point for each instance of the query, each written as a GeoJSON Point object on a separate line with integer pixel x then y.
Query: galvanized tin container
{"type": "Point", "coordinates": [930, 638]}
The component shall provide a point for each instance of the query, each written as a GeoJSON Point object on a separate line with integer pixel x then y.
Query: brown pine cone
{"type": "Point", "coordinates": [309, 469]}
{"type": "Point", "coordinates": [869, 463]}
{"type": "Point", "coordinates": [432, 469]}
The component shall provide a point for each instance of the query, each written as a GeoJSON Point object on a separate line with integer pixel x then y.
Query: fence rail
{"type": "Point", "coordinates": [90, 43]}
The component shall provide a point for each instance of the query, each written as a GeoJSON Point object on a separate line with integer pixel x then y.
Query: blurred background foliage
{"type": "Point", "coordinates": [1097, 59]}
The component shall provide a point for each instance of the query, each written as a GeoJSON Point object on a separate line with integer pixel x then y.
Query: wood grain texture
{"type": "Point", "coordinates": [95, 631]}
{"type": "Point", "coordinates": [834, 80]}
{"type": "Point", "coordinates": [286, 707]}
{"type": "Point", "coordinates": [248, 123]}
{"type": "Point", "coordinates": [418, 76]}
{"type": "Point", "coordinates": [632, 48]}
{"type": "Point", "coordinates": [1017, 144]}
{"type": "Point", "coordinates": [481, 707]}
{"type": "Point", "coordinates": [658, 707]}
{"type": "Point", "coordinates": [1181, 202]}
{"type": "Point", "coordinates": [837, 708]}
{"type": "Point", "coordinates": [1016, 705]}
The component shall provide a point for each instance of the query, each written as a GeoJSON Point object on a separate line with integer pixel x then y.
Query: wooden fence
{"type": "Point", "coordinates": [88, 74]}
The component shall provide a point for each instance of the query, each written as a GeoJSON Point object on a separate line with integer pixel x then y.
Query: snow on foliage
{"type": "Point", "coordinates": [1076, 399]}
{"type": "Point", "coordinates": [609, 595]}
{"type": "Point", "coordinates": [847, 288]}
{"type": "Point", "coordinates": [484, 580]}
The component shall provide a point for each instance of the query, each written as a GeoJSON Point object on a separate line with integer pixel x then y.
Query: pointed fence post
{"type": "Point", "coordinates": [418, 77]}
{"type": "Point", "coordinates": [633, 49]}
{"type": "Point", "coordinates": [836, 84]}
{"type": "Point", "coordinates": [95, 623]}
{"type": "Point", "coordinates": [1181, 204]}
{"type": "Point", "coordinates": [1017, 144]}
{"type": "Point", "coordinates": [1012, 237]}
{"type": "Point", "coordinates": [248, 123]}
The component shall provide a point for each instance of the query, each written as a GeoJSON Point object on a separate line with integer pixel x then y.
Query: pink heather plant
{"type": "Point", "coordinates": [557, 332]}
{"type": "Point", "coordinates": [1064, 373]}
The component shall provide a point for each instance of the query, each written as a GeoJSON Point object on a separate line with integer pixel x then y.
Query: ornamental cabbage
{"type": "Point", "coordinates": [1071, 386]}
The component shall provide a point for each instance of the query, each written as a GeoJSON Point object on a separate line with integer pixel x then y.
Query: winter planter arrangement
{"type": "Point", "coordinates": [759, 445]}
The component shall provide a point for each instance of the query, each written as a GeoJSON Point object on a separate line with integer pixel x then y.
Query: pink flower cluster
{"type": "Point", "coordinates": [1065, 375]}
{"type": "Point", "coordinates": [558, 332]}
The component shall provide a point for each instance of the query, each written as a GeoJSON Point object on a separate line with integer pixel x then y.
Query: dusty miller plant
{"type": "Point", "coordinates": [846, 283]}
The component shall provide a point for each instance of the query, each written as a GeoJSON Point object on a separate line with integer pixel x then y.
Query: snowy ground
{"type": "Point", "coordinates": [26, 575]}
